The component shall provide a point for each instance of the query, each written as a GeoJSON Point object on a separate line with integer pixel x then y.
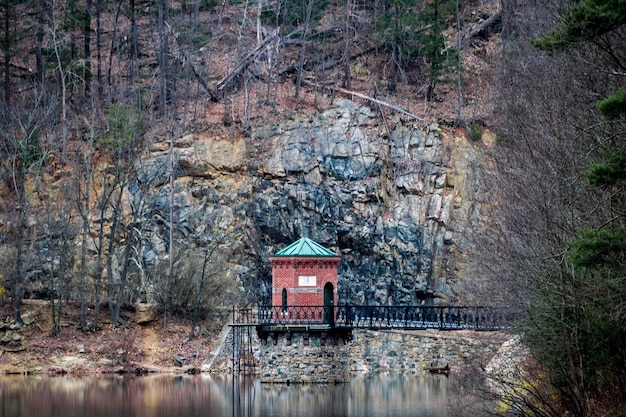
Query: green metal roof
{"type": "Point", "coordinates": [305, 247]}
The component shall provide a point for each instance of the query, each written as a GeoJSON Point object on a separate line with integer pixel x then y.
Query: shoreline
{"type": "Point", "coordinates": [142, 346]}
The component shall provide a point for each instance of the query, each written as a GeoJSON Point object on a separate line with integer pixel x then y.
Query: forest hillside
{"type": "Point", "coordinates": [156, 153]}
{"type": "Point", "coordinates": [98, 95]}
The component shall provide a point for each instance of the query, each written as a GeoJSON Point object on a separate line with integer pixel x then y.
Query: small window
{"type": "Point", "coordinates": [284, 300]}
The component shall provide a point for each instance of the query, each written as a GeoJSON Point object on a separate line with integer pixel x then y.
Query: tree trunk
{"type": "Point", "coordinates": [84, 212]}
{"type": "Point", "coordinates": [99, 49]}
{"type": "Point", "coordinates": [163, 54]}
{"type": "Point", "coordinates": [395, 53]}
{"type": "Point", "coordinates": [87, 46]}
{"type": "Point", "coordinates": [17, 285]}
{"type": "Point", "coordinates": [19, 177]}
{"type": "Point", "coordinates": [114, 42]}
{"type": "Point", "coordinates": [196, 309]}
{"type": "Point", "coordinates": [486, 25]}
{"type": "Point", "coordinates": [116, 213]}
{"type": "Point", "coordinates": [8, 12]}
{"type": "Point", "coordinates": [307, 22]}
{"type": "Point", "coordinates": [123, 278]}
{"type": "Point", "coordinates": [170, 267]}
{"type": "Point", "coordinates": [459, 95]}
{"type": "Point", "coordinates": [134, 47]}
{"type": "Point", "coordinates": [41, 20]}
{"type": "Point", "coordinates": [103, 204]}
{"type": "Point", "coordinates": [347, 33]}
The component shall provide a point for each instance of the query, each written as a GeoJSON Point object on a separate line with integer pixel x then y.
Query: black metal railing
{"type": "Point", "coordinates": [386, 317]}
{"type": "Point", "coordinates": [297, 315]}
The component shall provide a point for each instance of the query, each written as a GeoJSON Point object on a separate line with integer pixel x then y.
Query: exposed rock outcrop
{"type": "Point", "coordinates": [395, 199]}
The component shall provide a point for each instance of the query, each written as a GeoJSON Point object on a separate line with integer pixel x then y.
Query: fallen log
{"type": "Point", "coordinates": [443, 370]}
{"type": "Point", "coordinates": [364, 97]}
{"type": "Point", "coordinates": [329, 65]}
{"type": "Point", "coordinates": [245, 61]}
{"type": "Point", "coordinates": [14, 349]}
{"type": "Point", "coordinates": [188, 60]}
{"type": "Point", "coordinates": [485, 25]}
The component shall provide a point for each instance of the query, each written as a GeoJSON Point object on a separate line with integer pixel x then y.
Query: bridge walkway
{"type": "Point", "coordinates": [378, 317]}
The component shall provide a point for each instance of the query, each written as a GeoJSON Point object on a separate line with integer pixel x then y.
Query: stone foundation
{"type": "Point", "coordinates": [417, 351]}
{"type": "Point", "coordinates": [290, 358]}
{"type": "Point", "coordinates": [305, 357]}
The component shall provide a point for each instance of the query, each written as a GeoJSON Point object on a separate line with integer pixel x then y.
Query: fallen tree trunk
{"type": "Point", "coordinates": [245, 61]}
{"type": "Point", "coordinates": [486, 25]}
{"type": "Point", "coordinates": [329, 65]}
{"type": "Point", "coordinates": [364, 97]}
{"type": "Point", "coordinates": [188, 60]}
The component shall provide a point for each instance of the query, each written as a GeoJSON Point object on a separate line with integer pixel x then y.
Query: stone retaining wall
{"type": "Point", "coordinates": [395, 351]}
{"type": "Point", "coordinates": [298, 363]}
{"type": "Point", "coordinates": [416, 351]}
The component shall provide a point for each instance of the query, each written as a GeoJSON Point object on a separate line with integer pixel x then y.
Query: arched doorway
{"type": "Point", "coordinates": [284, 301]}
{"type": "Point", "coordinates": [329, 311]}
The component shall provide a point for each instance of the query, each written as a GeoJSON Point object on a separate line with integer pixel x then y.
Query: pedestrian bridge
{"type": "Point", "coordinates": [415, 317]}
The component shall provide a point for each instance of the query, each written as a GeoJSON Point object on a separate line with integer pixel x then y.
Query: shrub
{"type": "Point", "coordinates": [475, 132]}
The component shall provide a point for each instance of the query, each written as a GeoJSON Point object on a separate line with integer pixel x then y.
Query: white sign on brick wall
{"type": "Point", "coordinates": [307, 280]}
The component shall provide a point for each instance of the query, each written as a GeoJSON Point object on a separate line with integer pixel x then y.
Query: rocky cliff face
{"type": "Point", "coordinates": [395, 199]}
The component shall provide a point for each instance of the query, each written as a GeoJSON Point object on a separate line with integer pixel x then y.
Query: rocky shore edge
{"type": "Point", "coordinates": [139, 347]}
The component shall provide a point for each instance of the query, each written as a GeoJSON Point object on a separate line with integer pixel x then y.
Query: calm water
{"type": "Point", "coordinates": [216, 396]}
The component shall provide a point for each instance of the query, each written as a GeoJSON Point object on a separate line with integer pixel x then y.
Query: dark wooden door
{"type": "Point", "coordinates": [329, 311]}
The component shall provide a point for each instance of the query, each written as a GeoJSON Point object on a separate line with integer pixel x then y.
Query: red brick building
{"type": "Point", "coordinates": [304, 274]}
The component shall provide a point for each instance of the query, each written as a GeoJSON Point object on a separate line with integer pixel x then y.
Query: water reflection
{"type": "Point", "coordinates": [217, 396]}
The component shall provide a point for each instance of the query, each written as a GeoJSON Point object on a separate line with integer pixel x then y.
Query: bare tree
{"type": "Point", "coordinates": [347, 51]}
{"type": "Point", "coordinates": [84, 181]}
{"type": "Point", "coordinates": [213, 283]}
{"type": "Point", "coordinates": [24, 156]}
{"type": "Point", "coordinates": [8, 46]}
{"type": "Point", "coordinates": [54, 251]}
{"type": "Point", "coordinates": [163, 54]}
{"type": "Point", "coordinates": [305, 33]}
{"type": "Point", "coordinates": [548, 133]}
